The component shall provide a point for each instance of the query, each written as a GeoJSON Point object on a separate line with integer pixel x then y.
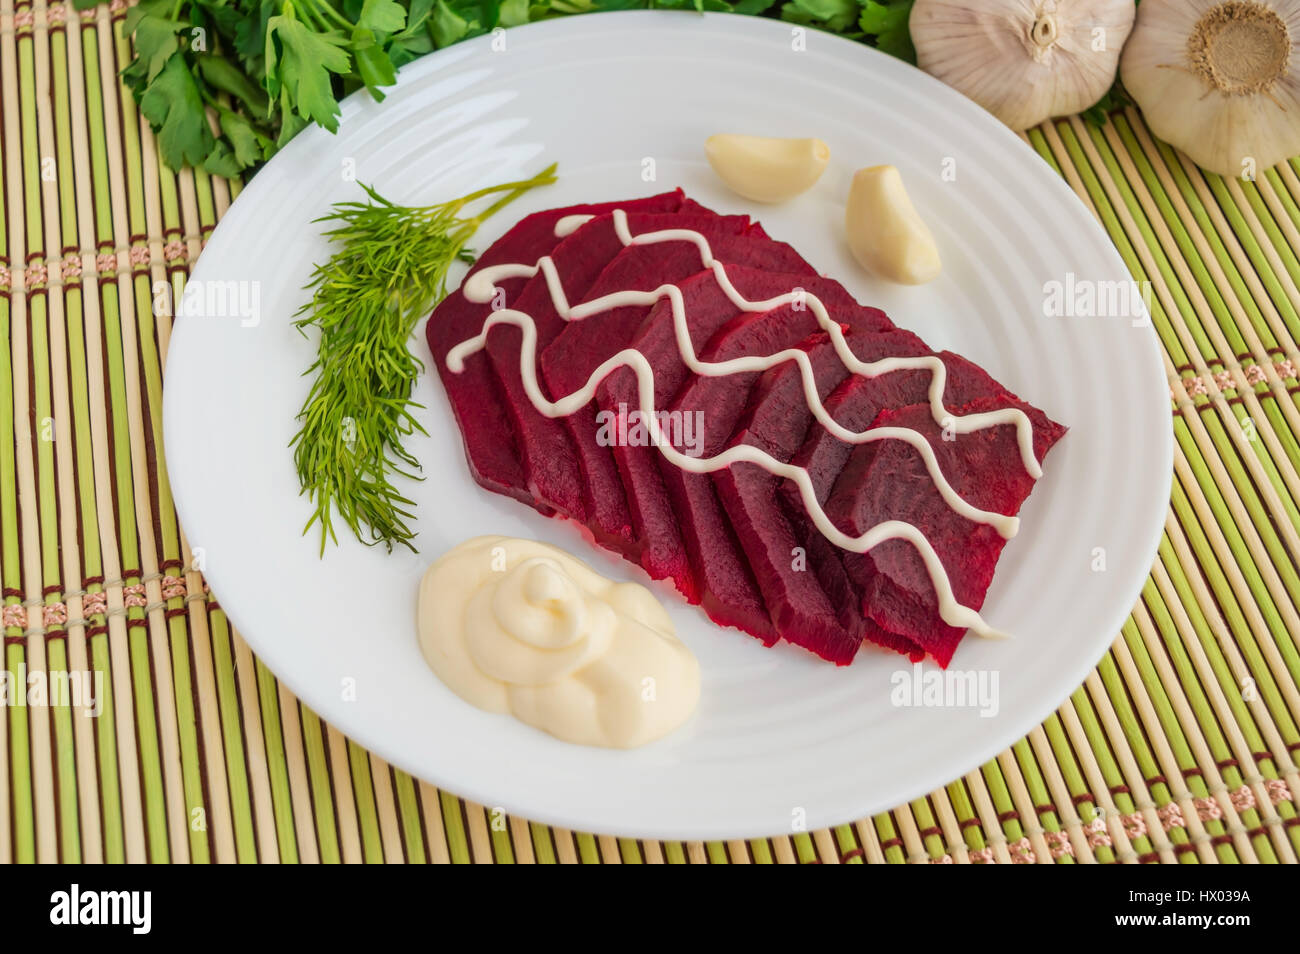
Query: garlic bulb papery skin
{"type": "Point", "coordinates": [1219, 80]}
{"type": "Point", "coordinates": [1023, 60]}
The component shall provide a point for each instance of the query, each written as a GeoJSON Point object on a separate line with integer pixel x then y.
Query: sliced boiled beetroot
{"type": "Point", "coordinates": [853, 405]}
{"type": "Point", "coordinates": [776, 422]}
{"type": "Point", "coordinates": [583, 345]}
{"type": "Point", "coordinates": [475, 395]}
{"type": "Point", "coordinates": [856, 402]}
{"type": "Point", "coordinates": [710, 313]}
{"type": "Point", "coordinates": [888, 480]}
{"type": "Point", "coordinates": [827, 561]}
{"type": "Point", "coordinates": [544, 445]}
{"type": "Point", "coordinates": [819, 562]}
{"type": "Point", "coordinates": [747, 547]}
{"type": "Point", "coordinates": [712, 405]}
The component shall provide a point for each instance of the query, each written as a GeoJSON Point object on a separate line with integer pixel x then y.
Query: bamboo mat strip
{"type": "Point", "coordinates": [1179, 748]}
{"type": "Point", "coordinates": [10, 779]}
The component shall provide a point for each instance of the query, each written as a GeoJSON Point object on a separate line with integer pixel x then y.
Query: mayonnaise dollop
{"type": "Point", "coordinates": [519, 627]}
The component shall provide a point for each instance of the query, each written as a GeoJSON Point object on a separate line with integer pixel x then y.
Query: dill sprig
{"type": "Point", "coordinates": [389, 268]}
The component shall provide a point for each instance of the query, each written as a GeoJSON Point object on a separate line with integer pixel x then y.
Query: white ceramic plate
{"type": "Point", "coordinates": [781, 739]}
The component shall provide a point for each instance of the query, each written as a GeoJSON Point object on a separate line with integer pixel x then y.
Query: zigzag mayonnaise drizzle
{"type": "Point", "coordinates": [481, 287]}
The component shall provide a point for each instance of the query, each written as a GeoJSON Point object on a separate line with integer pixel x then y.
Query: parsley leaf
{"type": "Point", "coordinates": [834, 15]}
{"type": "Point", "coordinates": [448, 26]}
{"type": "Point", "coordinates": [373, 63]}
{"type": "Point", "coordinates": [174, 107]}
{"type": "Point", "coordinates": [382, 16]}
{"type": "Point", "coordinates": [887, 23]}
{"type": "Point", "coordinates": [155, 44]}
{"type": "Point", "coordinates": [299, 64]}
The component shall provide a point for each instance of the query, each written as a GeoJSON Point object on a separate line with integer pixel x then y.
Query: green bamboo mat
{"type": "Point", "coordinates": [1179, 747]}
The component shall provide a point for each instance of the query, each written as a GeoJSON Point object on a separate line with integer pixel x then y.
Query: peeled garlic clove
{"type": "Point", "coordinates": [886, 234]}
{"type": "Point", "coordinates": [1023, 60]}
{"type": "Point", "coordinates": [766, 169]}
{"type": "Point", "coordinates": [1220, 81]}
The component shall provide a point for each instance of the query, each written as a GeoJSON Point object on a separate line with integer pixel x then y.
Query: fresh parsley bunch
{"type": "Point", "coordinates": [225, 83]}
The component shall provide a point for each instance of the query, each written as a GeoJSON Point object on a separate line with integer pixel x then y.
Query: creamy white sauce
{"type": "Point", "coordinates": [519, 627]}
{"type": "Point", "coordinates": [570, 224]}
{"type": "Point", "coordinates": [481, 288]}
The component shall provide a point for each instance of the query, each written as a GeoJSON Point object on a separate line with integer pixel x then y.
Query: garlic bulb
{"type": "Point", "coordinates": [1023, 60]}
{"type": "Point", "coordinates": [1219, 79]}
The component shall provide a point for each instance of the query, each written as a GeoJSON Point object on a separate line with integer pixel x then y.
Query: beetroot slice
{"type": "Point", "coordinates": [544, 445]}
{"type": "Point", "coordinates": [776, 422]}
{"type": "Point", "coordinates": [887, 480]}
{"type": "Point", "coordinates": [583, 345]}
{"type": "Point", "coordinates": [727, 589]}
{"type": "Point", "coordinates": [821, 560]}
{"type": "Point", "coordinates": [603, 500]}
{"type": "Point", "coordinates": [854, 405]}
{"type": "Point", "coordinates": [475, 395]}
